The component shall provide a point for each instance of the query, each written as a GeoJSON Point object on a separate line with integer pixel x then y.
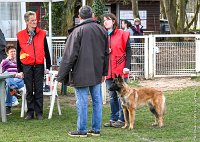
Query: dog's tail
{"type": "Point", "coordinates": [163, 104]}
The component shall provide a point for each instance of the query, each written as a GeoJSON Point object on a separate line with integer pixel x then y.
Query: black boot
{"type": "Point", "coordinates": [8, 110]}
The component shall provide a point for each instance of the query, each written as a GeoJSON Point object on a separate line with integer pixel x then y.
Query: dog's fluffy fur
{"type": "Point", "coordinates": [131, 98]}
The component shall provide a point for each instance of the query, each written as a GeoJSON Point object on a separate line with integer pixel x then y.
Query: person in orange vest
{"type": "Point", "coordinates": [119, 63]}
{"type": "Point", "coordinates": [32, 50]}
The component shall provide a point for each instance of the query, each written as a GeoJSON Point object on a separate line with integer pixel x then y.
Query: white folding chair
{"type": "Point", "coordinates": [50, 80]}
{"type": "Point", "coordinates": [104, 92]}
{"type": "Point", "coordinates": [24, 102]}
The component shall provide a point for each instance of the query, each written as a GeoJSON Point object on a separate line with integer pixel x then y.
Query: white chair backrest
{"type": "Point", "coordinates": [50, 80]}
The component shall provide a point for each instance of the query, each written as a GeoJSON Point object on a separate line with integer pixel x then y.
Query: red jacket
{"type": "Point", "coordinates": [32, 54]}
{"type": "Point", "coordinates": [117, 58]}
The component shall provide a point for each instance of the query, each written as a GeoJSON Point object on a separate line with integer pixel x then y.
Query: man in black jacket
{"type": "Point", "coordinates": [84, 65]}
{"type": "Point", "coordinates": [2, 46]}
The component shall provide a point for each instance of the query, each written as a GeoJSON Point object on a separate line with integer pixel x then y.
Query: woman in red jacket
{"type": "Point", "coordinates": [119, 63]}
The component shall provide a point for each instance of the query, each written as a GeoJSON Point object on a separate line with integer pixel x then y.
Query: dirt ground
{"type": "Point", "coordinates": [170, 83]}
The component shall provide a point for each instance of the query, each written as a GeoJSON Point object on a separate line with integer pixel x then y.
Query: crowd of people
{"type": "Point", "coordinates": [93, 53]}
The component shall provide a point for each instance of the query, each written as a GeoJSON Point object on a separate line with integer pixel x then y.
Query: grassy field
{"type": "Point", "coordinates": [180, 120]}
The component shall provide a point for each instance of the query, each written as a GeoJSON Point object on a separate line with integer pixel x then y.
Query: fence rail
{"type": "Point", "coordinates": [155, 56]}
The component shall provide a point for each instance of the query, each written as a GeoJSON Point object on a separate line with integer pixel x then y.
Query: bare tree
{"type": "Point", "coordinates": [135, 8]}
{"type": "Point", "coordinates": [181, 15]}
{"type": "Point", "coordinates": [195, 18]}
{"type": "Point", "coordinates": [162, 10]}
{"type": "Point", "coordinates": [170, 9]}
{"type": "Point", "coordinates": [68, 15]}
{"type": "Point", "coordinates": [89, 2]}
{"type": "Point", "coordinates": [177, 17]}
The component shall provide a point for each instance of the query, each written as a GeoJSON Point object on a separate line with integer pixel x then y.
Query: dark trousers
{"type": "Point", "coordinates": [33, 78]}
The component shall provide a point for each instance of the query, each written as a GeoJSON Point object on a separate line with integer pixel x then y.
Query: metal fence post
{"type": "Point", "coordinates": [146, 59]}
{"type": "Point", "coordinates": [197, 42]}
{"type": "Point", "coordinates": [151, 56]}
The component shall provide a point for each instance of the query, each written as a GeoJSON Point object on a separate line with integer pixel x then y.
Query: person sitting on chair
{"type": "Point", "coordinates": [12, 84]}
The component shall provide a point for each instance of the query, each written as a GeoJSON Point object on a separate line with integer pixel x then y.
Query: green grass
{"type": "Point", "coordinates": [181, 116]}
{"type": "Point", "coordinates": [196, 78]}
{"type": "Point", "coordinates": [134, 83]}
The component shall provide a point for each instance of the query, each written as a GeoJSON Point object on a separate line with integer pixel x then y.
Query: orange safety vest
{"type": "Point", "coordinates": [32, 54]}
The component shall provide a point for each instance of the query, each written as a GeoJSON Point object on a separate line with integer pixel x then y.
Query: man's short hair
{"type": "Point", "coordinates": [27, 14]}
{"type": "Point", "coordinates": [85, 12]}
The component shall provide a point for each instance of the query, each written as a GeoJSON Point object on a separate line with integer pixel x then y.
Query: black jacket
{"type": "Point", "coordinates": [85, 58]}
{"type": "Point", "coordinates": [2, 46]}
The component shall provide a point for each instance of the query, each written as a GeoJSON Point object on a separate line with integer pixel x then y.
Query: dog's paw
{"type": "Point", "coordinates": [130, 128]}
{"type": "Point", "coordinates": [124, 127]}
{"type": "Point", "coordinates": [160, 126]}
{"type": "Point", "coordinates": [155, 124]}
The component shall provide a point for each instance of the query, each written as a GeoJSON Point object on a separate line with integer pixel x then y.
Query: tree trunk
{"type": "Point", "coordinates": [195, 18]}
{"type": "Point", "coordinates": [90, 2]}
{"type": "Point", "coordinates": [68, 21]}
{"type": "Point", "coordinates": [170, 9]}
{"type": "Point", "coordinates": [182, 15]}
{"type": "Point", "coordinates": [135, 8]}
{"type": "Point", "coordinates": [162, 10]}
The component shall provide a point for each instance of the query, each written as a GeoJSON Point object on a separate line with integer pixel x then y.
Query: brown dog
{"type": "Point", "coordinates": [131, 98]}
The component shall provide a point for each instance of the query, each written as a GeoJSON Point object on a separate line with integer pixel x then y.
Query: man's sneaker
{"type": "Point", "coordinates": [8, 110]}
{"type": "Point", "coordinates": [118, 124]}
{"type": "Point", "coordinates": [93, 133]}
{"type": "Point", "coordinates": [29, 117]}
{"type": "Point", "coordinates": [39, 117]}
{"type": "Point", "coordinates": [77, 134]}
{"type": "Point", "coordinates": [109, 124]}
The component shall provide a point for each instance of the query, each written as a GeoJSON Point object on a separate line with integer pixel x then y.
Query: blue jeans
{"type": "Point", "coordinates": [12, 83]}
{"type": "Point", "coordinates": [82, 107]}
{"type": "Point", "coordinates": [14, 99]}
{"type": "Point", "coordinates": [115, 105]}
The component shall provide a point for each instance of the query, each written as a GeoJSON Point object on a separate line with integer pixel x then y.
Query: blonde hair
{"type": "Point", "coordinates": [137, 20]}
{"type": "Point", "coordinates": [28, 14]}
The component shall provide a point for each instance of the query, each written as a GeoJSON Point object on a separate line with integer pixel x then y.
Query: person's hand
{"type": "Point", "coordinates": [46, 71]}
{"type": "Point", "coordinates": [103, 78]}
{"type": "Point", "coordinates": [126, 71]}
{"type": "Point", "coordinates": [110, 50]}
{"type": "Point", "coordinates": [19, 75]}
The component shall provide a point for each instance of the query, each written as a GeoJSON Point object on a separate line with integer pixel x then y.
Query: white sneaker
{"type": "Point", "coordinates": [15, 103]}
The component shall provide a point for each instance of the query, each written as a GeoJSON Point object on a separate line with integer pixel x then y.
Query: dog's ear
{"type": "Point", "coordinates": [116, 76]}
{"type": "Point", "coordinates": [120, 78]}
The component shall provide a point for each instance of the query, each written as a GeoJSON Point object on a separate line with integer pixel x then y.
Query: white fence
{"type": "Point", "coordinates": [156, 56]}
{"type": "Point", "coordinates": [172, 57]}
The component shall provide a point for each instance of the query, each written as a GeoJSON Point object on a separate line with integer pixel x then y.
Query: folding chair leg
{"type": "Point", "coordinates": [104, 93]}
{"type": "Point", "coordinates": [51, 107]}
{"type": "Point", "coordinates": [23, 105]}
{"type": "Point", "coordinates": [58, 105]}
{"type": "Point", "coordinates": [53, 97]}
{"type": "Point", "coordinates": [26, 109]}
